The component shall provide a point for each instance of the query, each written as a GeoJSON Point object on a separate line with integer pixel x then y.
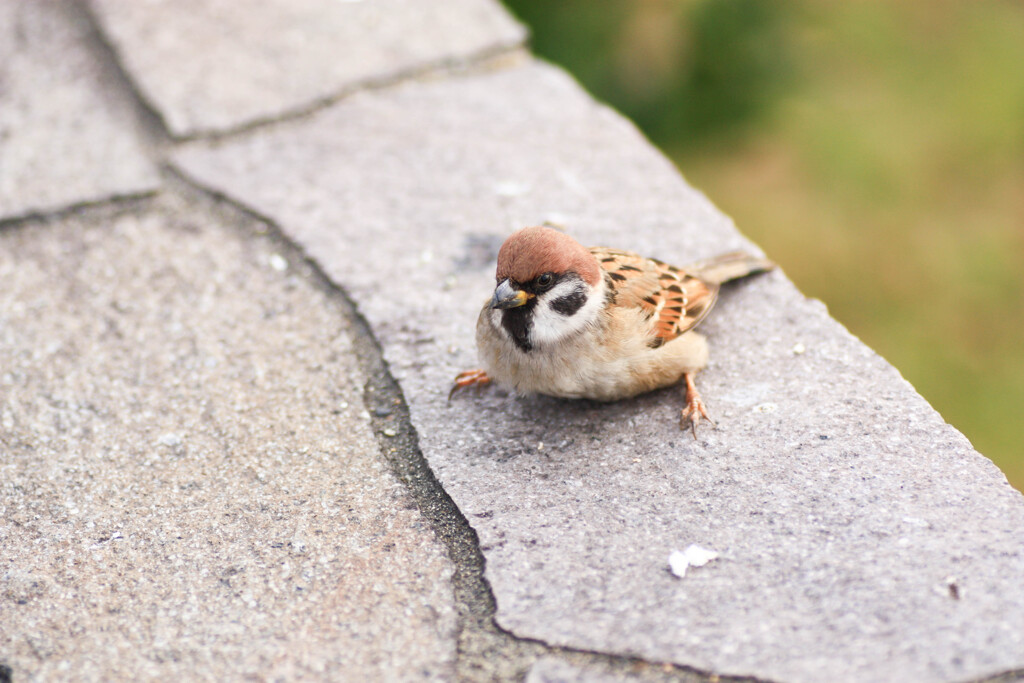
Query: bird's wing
{"type": "Point", "coordinates": [672, 298]}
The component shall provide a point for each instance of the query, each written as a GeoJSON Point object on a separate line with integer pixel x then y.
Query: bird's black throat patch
{"type": "Point", "coordinates": [517, 322]}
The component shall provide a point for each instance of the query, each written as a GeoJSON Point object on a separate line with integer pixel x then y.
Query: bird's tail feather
{"type": "Point", "coordinates": [735, 264]}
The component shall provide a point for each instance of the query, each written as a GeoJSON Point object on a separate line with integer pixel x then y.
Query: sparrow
{"type": "Point", "coordinates": [597, 323]}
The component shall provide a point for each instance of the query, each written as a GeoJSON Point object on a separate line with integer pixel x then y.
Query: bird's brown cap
{"type": "Point", "coordinates": [530, 252]}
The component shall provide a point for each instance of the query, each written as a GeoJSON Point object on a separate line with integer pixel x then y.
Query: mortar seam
{"type": "Point", "coordinates": [448, 66]}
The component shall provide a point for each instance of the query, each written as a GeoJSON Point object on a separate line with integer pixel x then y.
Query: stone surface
{"type": "Point", "coordinates": [841, 505]}
{"type": "Point", "coordinates": [65, 131]}
{"type": "Point", "coordinates": [189, 487]}
{"type": "Point", "coordinates": [209, 65]}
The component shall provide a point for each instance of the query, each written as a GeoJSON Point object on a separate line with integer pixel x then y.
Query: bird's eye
{"type": "Point", "coordinates": [545, 281]}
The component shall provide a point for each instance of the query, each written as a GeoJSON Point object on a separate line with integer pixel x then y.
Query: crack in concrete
{"type": "Point", "coordinates": [493, 58]}
{"type": "Point", "coordinates": [151, 123]}
{"type": "Point", "coordinates": [39, 216]}
{"type": "Point", "coordinates": [1014, 676]}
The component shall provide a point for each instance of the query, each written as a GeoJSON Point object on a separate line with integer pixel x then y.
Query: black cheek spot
{"type": "Point", "coordinates": [569, 304]}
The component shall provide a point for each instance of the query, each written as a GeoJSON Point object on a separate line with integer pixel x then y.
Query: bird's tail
{"type": "Point", "coordinates": [735, 264]}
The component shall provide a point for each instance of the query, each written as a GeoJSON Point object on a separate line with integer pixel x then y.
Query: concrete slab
{"type": "Point", "coordinates": [189, 486]}
{"type": "Point", "coordinates": [66, 131]}
{"type": "Point", "coordinates": [859, 536]}
{"type": "Point", "coordinates": [209, 65]}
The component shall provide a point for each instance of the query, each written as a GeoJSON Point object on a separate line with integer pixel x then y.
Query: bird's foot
{"type": "Point", "coordinates": [469, 378]}
{"type": "Point", "coordinates": [695, 409]}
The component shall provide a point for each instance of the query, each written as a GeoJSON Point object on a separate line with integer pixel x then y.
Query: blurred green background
{"type": "Point", "coordinates": [874, 149]}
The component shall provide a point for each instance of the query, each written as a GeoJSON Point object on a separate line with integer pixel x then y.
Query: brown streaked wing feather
{"type": "Point", "coordinates": [674, 299]}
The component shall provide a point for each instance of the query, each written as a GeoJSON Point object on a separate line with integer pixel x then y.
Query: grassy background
{"type": "Point", "coordinates": [874, 149]}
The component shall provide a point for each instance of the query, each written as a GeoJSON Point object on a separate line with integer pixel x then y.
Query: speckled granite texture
{"type": "Point", "coordinates": [840, 503]}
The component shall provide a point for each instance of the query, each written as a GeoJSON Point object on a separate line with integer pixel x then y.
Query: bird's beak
{"type": "Point", "coordinates": [505, 296]}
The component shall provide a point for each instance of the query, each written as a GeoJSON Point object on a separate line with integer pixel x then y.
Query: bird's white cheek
{"type": "Point", "coordinates": [550, 326]}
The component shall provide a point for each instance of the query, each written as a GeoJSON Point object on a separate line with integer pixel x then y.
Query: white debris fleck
{"type": "Point", "coordinates": [799, 348]}
{"type": "Point", "coordinates": [678, 563]}
{"type": "Point", "coordinates": [278, 263]}
{"type": "Point", "coordinates": [766, 408]}
{"type": "Point", "coordinates": [171, 440]}
{"type": "Point", "coordinates": [390, 432]}
{"type": "Point", "coordinates": [699, 556]}
{"type": "Point", "coordinates": [694, 556]}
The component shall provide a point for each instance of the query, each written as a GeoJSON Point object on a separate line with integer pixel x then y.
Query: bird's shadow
{"type": "Point", "coordinates": [521, 425]}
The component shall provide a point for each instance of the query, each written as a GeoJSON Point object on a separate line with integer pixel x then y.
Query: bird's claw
{"type": "Point", "coordinates": [692, 414]}
{"type": "Point", "coordinates": [694, 409]}
{"type": "Point", "coordinates": [469, 378]}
